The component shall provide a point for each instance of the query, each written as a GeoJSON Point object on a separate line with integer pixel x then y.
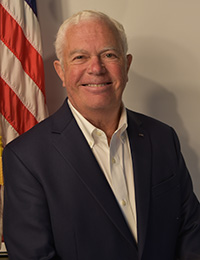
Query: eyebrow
{"type": "Point", "coordinates": [77, 51]}
{"type": "Point", "coordinates": [102, 51]}
{"type": "Point", "coordinates": [109, 49]}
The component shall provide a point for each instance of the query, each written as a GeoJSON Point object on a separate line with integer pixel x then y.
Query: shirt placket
{"type": "Point", "coordinates": [117, 172]}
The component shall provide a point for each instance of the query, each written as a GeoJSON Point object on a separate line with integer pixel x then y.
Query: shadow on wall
{"type": "Point", "coordinates": [50, 18]}
{"type": "Point", "coordinates": [55, 93]}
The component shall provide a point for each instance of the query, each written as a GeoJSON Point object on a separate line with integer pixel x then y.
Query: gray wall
{"type": "Point", "coordinates": [164, 80]}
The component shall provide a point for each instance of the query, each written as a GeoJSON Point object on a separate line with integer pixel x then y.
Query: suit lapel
{"type": "Point", "coordinates": [141, 155]}
{"type": "Point", "coordinates": [69, 141]}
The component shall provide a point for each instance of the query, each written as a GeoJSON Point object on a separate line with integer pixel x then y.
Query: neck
{"type": "Point", "coordinates": [106, 121]}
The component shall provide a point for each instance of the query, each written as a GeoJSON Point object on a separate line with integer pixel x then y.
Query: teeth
{"type": "Point", "coordinates": [96, 85]}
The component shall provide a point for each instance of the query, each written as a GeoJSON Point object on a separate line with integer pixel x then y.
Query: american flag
{"type": "Point", "coordinates": [22, 90]}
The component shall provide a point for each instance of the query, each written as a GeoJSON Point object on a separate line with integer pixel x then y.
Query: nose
{"type": "Point", "coordinates": [96, 66]}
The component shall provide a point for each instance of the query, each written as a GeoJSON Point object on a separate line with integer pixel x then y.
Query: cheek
{"type": "Point", "coordinates": [120, 74]}
{"type": "Point", "coordinates": [117, 69]}
{"type": "Point", "coordinates": [70, 78]}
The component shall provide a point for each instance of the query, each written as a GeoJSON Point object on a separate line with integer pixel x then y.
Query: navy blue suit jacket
{"type": "Point", "coordinates": [58, 204]}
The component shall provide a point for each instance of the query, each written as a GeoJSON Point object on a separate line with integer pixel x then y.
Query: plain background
{"type": "Point", "coordinates": [164, 80]}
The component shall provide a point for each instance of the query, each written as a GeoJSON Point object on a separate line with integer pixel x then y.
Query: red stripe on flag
{"type": "Point", "coordinates": [13, 37]}
{"type": "Point", "coordinates": [14, 110]}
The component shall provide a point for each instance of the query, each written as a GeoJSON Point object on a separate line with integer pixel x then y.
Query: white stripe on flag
{"type": "Point", "coordinates": [23, 86]}
{"type": "Point", "coordinates": [8, 133]}
{"type": "Point", "coordinates": [27, 20]}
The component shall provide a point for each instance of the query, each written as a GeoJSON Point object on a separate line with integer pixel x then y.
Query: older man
{"type": "Point", "coordinates": [95, 180]}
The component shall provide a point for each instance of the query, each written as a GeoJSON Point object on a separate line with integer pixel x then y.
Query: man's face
{"type": "Point", "coordinates": [95, 67]}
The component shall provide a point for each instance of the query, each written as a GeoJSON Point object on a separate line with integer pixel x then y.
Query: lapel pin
{"type": "Point", "coordinates": [141, 135]}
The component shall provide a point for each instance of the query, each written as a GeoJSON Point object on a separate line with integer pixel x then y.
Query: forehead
{"type": "Point", "coordinates": [93, 31]}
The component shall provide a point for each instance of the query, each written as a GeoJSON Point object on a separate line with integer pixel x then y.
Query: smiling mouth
{"type": "Point", "coordinates": [96, 85]}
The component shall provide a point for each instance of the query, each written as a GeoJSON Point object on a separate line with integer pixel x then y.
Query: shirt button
{"type": "Point", "coordinates": [123, 202]}
{"type": "Point", "coordinates": [99, 133]}
{"type": "Point", "coordinates": [113, 160]}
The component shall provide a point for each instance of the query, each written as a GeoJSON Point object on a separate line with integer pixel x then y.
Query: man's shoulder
{"type": "Point", "coordinates": [41, 132]}
{"type": "Point", "coordinates": [145, 120]}
{"type": "Point", "coordinates": [38, 134]}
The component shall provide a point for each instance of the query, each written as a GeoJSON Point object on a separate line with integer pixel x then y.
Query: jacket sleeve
{"type": "Point", "coordinates": [27, 227]}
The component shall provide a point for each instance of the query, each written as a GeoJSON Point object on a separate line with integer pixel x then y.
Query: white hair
{"type": "Point", "coordinates": [87, 15]}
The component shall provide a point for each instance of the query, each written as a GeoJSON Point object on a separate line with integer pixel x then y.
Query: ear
{"type": "Point", "coordinates": [60, 71]}
{"type": "Point", "coordinates": [129, 58]}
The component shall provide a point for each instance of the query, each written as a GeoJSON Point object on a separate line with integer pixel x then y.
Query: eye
{"type": "Point", "coordinates": [110, 55]}
{"type": "Point", "coordinates": [79, 57]}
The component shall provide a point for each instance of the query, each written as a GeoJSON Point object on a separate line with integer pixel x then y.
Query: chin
{"type": "Point", "coordinates": [100, 106]}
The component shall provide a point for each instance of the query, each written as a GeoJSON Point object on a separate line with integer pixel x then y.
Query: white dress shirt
{"type": "Point", "coordinates": [115, 161]}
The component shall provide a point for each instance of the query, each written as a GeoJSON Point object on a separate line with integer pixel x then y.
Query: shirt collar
{"type": "Point", "coordinates": [88, 129]}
